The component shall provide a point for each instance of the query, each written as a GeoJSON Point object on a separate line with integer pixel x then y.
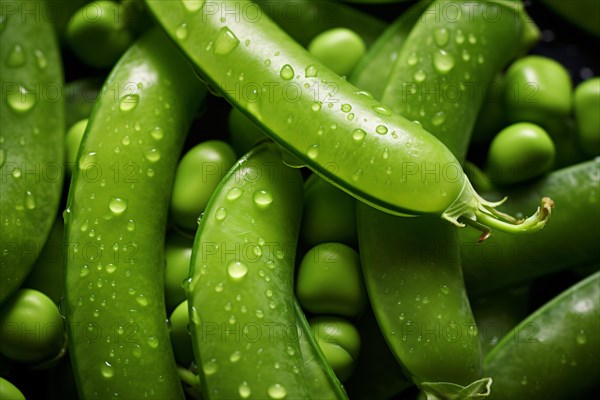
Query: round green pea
{"type": "Point", "coordinates": [198, 175]}
{"type": "Point", "coordinates": [72, 142]}
{"type": "Point", "coordinates": [340, 342]}
{"type": "Point", "coordinates": [31, 326]}
{"type": "Point", "coordinates": [8, 391]}
{"type": "Point", "coordinates": [330, 280]}
{"type": "Point", "coordinates": [537, 89]}
{"type": "Point", "coordinates": [587, 115]}
{"type": "Point", "coordinates": [178, 252]}
{"type": "Point", "coordinates": [243, 133]}
{"type": "Point", "coordinates": [340, 49]}
{"type": "Point", "coordinates": [181, 340]}
{"type": "Point", "coordinates": [519, 152]}
{"type": "Point", "coordinates": [328, 214]}
{"type": "Point", "coordinates": [97, 34]}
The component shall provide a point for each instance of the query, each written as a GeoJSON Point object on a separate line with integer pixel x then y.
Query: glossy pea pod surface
{"type": "Point", "coordinates": [340, 132]}
{"type": "Point", "coordinates": [115, 222]}
{"type": "Point", "coordinates": [552, 354]}
{"type": "Point", "coordinates": [241, 297]}
{"type": "Point", "coordinates": [412, 267]}
{"type": "Point", "coordinates": [31, 141]}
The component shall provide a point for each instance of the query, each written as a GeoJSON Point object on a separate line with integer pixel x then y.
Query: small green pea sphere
{"type": "Point", "coordinates": [178, 252]}
{"type": "Point", "coordinates": [198, 175]}
{"type": "Point", "coordinates": [8, 391]}
{"type": "Point", "coordinates": [72, 142]}
{"type": "Point", "coordinates": [330, 280]}
{"type": "Point", "coordinates": [587, 115]}
{"type": "Point", "coordinates": [520, 152]}
{"type": "Point", "coordinates": [180, 336]}
{"type": "Point", "coordinates": [339, 49]}
{"type": "Point", "coordinates": [243, 133]}
{"type": "Point", "coordinates": [340, 342]}
{"type": "Point", "coordinates": [537, 89]}
{"type": "Point", "coordinates": [97, 34]}
{"type": "Point", "coordinates": [328, 214]}
{"type": "Point", "coordinates": [31, 326]}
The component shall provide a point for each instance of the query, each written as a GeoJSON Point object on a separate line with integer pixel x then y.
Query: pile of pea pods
{"type": "Point", "coordinates": [302, 199]}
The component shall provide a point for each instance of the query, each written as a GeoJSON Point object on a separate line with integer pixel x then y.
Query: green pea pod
{"type": "Point", "coordinates": [582, 13]}
{"type": "Point", "coordinates": [305, 19]}
{"type": "Point", "coordinates": [375, 68]}
{"type": "Point", "coordinates": [323, 383]}
{"type": "Point", "coordinates": [504, 260]}
{"type": "Point", "coordinates": [115, 224]}
{"type": "Point", "coordinates": [241, 296]}
{"type": "Point", "coordinates": [412, 267]}
{"type": "Point", "coordinates": [552, 354]}
{"type": "Point", "coordinates": [31, 142]}
{"type": "Point", "coordinates": [336, 129]}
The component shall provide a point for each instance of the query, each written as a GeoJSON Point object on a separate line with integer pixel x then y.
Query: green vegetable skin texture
{"type": "Point", "coordinates": [8, 391]}
{"type": "Point", "coordinates": [503, 260]}
{"type": "Point", "coordinates": [115, 220]}
{"type": "Point", "coordinates": [340, 144]}
{"type": "Point", "coordinates": [553, 354]}
{"type": "Point", "coordinates": [31, 142]}
{"type": "Point", "coordinates": [412, 267]}
{"type": "Point", "coordinates": [241, 299]}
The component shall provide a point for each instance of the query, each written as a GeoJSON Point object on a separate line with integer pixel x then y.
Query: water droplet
{"type": "Point", "coordinates": [210, 367]}
{"type": "Point", "coordinates": [237, 269]}
{"type": "Point", "coordinates": [311, 71]}
{"type": "Point", "coordinates": [234, 193]}
{"type": "Point", "coordinates": [21, 100]}
{"type": "Point", "coordinates": [412, 58]}
{"type": "Point", "coordinates": [107, 370]}
{"type": "Point", "coordinates": [221, 214]}
{"type": "Point", "coordinates": [365, 94]}
{"type": "Point", "coordinates": [460, 37]}
{"type": "Point", "coordinates": [129, 102]}
{"type": "Point", "coordinates": [438, 118]}
{"type": "Point", "coordinates": [524, 381]}
{"type": "Point", "coordinates": [444, 289]}
{"type": "Point", "coordinates": [356, 176]}
{"type": "Point", "coordinates": [466, 56]}
{"type": "Point", "coordinates": [276, 391]}
{"type": "Point", "coordinates": [441, 36]}
{"type": "Point", "coordinates": [420, 75]}
{"type": "Point", "coordinates": [382, 110]}
{"type": "Point", "coordinates": [269, 293]}
{"type": "Point", "coordinates": [443, 62]}
{"type": "Point", "coordinates": [225, 42]}
{"type": "Point", "coordinates": [157, 133]}
{"type": "Point", "coordinates": [350, 117]}
{"type": "Point", "coordinates": [480, 59]}
{"type": "Point", "coordinates": [316, 106]}
{"type": "Point", "coordinates": [287, 72]}
{"type": "Point", "coordinates": [581, 337]}
{"type": "Point", "coordinates": [381, 129]}
{"type": "Point", "coordinates": [267, 62]}
{"type": "Point", "coordinates": [358, 134]}
{"type": "Point", "coordinates": [235, 356]}
{"type": "Point", "coordinates": [110, 268]}
{"type": "Point", "coordinates": [142, 300]}
{"type": "Point", "coordinates": [346, 108]}
{"type": "Point", "coordinates": [192, 5]}
{"type": "Point", "coordinates": [40, 58]}
{"type": "Point", "coordinates": [472, 39]}
{"type": "Point", "coordinates": [29, 200]}
{"type": "Point", "coordinates": [182, 32]}
{"type": "Point", "coordinates": [313, 151]}
{"type": "Point", "coordinates": [262, 198]}
{"type": "Point", "coordinates": [84, 271]}
{"type": "Point", "coordinates": [137, 351]}
{"type": "Point", "coordinates": [152, 342]}
{"type": "Point", "coordinates": [131, 225]}
{"type": "Point", "coordinates": [117, 205]}
{"type": "Point", "coordinates": [244, 390]}
{"type": "Point", "coordinates": [152, 155]}
{"type": "Point", "coordinates": [386, 153]}
{"type": "Point", "coordinates": [16, 56]}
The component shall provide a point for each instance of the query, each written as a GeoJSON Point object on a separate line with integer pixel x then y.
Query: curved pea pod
{"type": "Point", "coordinates": [305, 19]}
{"type": "Point", "coordinates": [31, 142]}
{"type": "Point", "coordinates": [8, 391]}
{"type": "Point", "coordinates": [373, 71]}
{"type": "Point", "coordinates": [553, 353]}
{"type": "Point", "coordinates": [115, 222]}
{"type": "Point", "coordinates": [241, 296]}
{"type": "Point", "coordinates": [337, 130]}
{"type": "Point", "coordinates": [583, 14]}
{"type": "Point", "coordinates": [504, 260]}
